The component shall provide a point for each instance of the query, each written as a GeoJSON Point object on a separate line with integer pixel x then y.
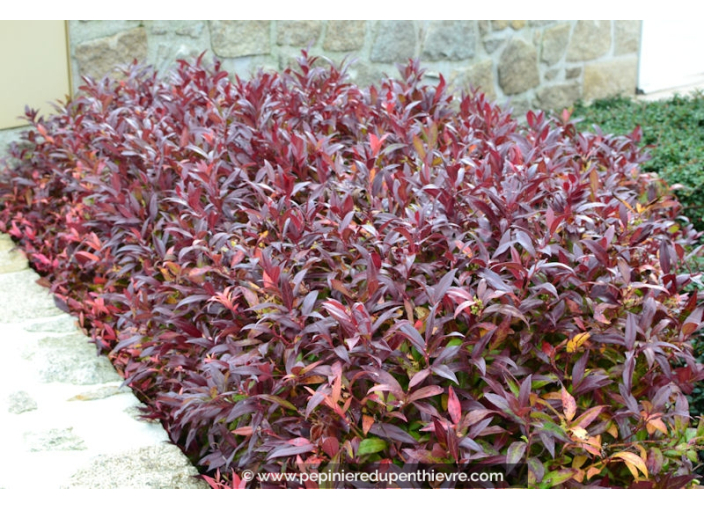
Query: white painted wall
{"type": "Point", "coordinates": [671, 54]}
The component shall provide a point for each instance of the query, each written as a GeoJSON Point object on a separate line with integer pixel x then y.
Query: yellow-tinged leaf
{"type": "Point", "coordinates": [367, 422]}
{"type": "Point", "coordinates": [531, 479]}
{"type": "Point", "coordinates": [580, 433]}
{"type": "Point", "coordinates": [313, 379]}
{"type": "Point", "coordinates": [594, 180]}
{"type": "Point", "coordinates": [421, 312]}
{"type": "Point", "coordinates": [166, 274]}
{"type": "Point", "coordinates": [349, 449]}
{"type": "Point", "coordinates": [643, 451]}
{"type": "Point", "coordinates": [433, 138]}
{"type": "Point", "coordinates": [555, 478]}
{"type": "Point", "coordinates": [613, 430]}
{"type": "Point", "coordinates": [593, 445]}
{"type": "Point", "coordinates": [595, 441]}
{"type": "Point", "coordinates": [569, 406]}
{"type": "Point", "coordinates": [632, 461]}
{"type": "Point", "coordinates": [577, 341]}
{"type": "Point", "coordinates": [633, 470]}
{"type": "Point", "coordinates": [554, 395]}
{"type": "Point", "coordinates": [173, 267]}
{"type": "Point", "coordinates": [593, 471]}
{"type": "Point", "coordinates": [655, 424]}
{"type": "Point", "coordinates": [419, 146]}
{"type": "Point", "coordinates": [579, 461]}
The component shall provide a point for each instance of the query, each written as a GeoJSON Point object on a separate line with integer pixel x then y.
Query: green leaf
{"type": "Point", "coordinates": [555, 429]}
{"type": "Point", "coordinates": [454, 342]}
{"type": "Point", "coordinates": [279, 400]}
{"type": "Point", "coordinates": [541, 415]}
{"type": "Point", "coordinates": [559, 477]}
{"type": "Point", "coordinates": [690, 434]}
{"type": "Point", "coordinates": [371, 445]}
{"type": "Point", "coordinates": [515, 389]}
{"type": "Point", "coordinates": [536, 385]}
{"type": "Point", "coordinates": [515, 452]}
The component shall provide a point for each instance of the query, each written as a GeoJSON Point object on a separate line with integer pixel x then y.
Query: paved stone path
{"type": "Point", "coordinates": [65, 419]}
{"type": "Point", "coordinates": [684, 90]}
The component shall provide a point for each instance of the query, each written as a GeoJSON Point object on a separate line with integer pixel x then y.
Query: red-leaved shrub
{"type": "Point", "coordinates": [293, 272]}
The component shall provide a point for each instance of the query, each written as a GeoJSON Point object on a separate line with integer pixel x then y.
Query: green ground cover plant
{"type": "Point", "coordinates": [296, 274]}
{"type": "Point", "coordinates": [673, 131]}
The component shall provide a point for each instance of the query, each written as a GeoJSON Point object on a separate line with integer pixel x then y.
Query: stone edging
{"type": "Point", "coordinates": [67, 420]}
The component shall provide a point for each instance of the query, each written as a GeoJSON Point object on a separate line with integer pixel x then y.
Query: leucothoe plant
{"type": "Point", "coordinates": [293, 273]}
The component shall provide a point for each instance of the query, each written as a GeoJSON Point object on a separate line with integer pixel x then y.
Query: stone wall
{"type": "Point", "coordinates": [537, 64]}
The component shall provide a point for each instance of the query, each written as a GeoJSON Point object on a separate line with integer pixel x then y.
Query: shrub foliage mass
{"type": "Point", "coordinates": [293, 272]}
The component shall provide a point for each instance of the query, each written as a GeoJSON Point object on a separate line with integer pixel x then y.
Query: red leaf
{"type": "Point", "coordinates": [425, 392]}
{"type": "Point", "coordinates": [453, 406]}
{"type": "Point", "coordinates": [331, 446]}
{"type": "Point", "coordinates": [84, 256]}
